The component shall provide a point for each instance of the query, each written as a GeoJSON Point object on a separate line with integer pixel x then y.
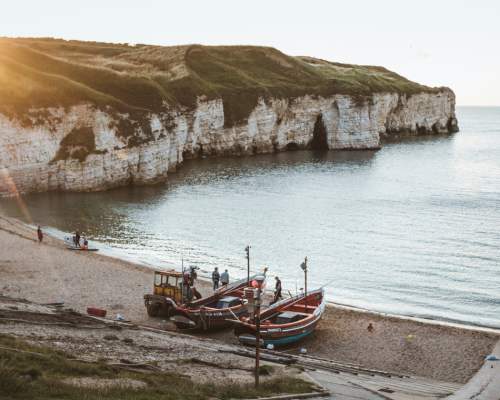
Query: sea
{"type": "Point", "coordinates": [412, 229]}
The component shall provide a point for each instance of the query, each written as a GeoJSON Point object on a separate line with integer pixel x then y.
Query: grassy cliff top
{"type": "Point", "coordinates": [140, 79]}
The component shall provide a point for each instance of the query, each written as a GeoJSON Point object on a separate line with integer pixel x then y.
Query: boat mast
{"type": "Point", "coordinates": [183, 289]}
{"type": "Point", "coordinates": [304, 268]}
{"type": "Point", "coordinates": [247, 249]}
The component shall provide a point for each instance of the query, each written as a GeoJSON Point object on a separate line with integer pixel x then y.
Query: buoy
{"type": "Point", "coordinates": [410, 338]}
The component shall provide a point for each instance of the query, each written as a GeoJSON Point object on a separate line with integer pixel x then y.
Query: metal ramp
{"type": "Point", "coordinates": [348, 386]}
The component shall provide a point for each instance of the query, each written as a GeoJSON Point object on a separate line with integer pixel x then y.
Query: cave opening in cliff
{"type": "Point", "coordinates": [319, 140]}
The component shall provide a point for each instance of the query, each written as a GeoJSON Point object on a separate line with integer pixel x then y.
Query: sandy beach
{"type": "Point", "coordinates": [48, 273]}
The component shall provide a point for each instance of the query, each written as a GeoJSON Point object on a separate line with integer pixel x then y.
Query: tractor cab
{"type": "Point", "coordinates": [167, 292]}
{"type": "Point", "coordinates": [168, 284]}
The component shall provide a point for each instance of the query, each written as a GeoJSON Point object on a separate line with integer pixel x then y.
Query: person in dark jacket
{"type": "Point", "coordinates": [216, 278]}
{"type": "Point", "coordinates": [277, 290]}
{"type": "Point", "coordinates": [77, 239]}
{"type": "Point", "coordinates": [39, 234]}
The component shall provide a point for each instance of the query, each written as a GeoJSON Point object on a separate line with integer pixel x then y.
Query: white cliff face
{"type": "Point", "coordinates": [30, 158]}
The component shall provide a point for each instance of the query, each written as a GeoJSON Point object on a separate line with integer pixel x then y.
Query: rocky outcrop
{"type": "Point", "coordinates": [81, 148]}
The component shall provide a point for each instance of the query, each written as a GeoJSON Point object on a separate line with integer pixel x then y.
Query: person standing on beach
{"type": "Point", "coordinates": [216, 278]}
{"type": "Point", "coordinates": [277, 290]}
{"type": "Point", "coordinates": [224, 278]}
{"type": "Point", "coordinates": [39, 234]}
{"type": "Point", "coordinates": [77, 239]}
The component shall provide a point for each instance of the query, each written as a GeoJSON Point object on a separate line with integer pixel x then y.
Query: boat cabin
{"type": "Point", "coordinates": [228, 301]}
{"type": "Point", "coordinates": [290, 313]}
{"type": "Point", "coordinates": [289, 316]}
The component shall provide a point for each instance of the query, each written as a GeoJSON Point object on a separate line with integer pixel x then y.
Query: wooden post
{"type": "Point", "coordinates": [257, 337]}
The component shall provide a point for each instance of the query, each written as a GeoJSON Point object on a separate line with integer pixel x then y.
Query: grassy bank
{"type": "Point", "coordinates": [29, 371]}
{"type": "Point", "coordinates": [141, 79]}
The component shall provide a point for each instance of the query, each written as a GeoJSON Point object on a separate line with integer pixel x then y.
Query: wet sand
{"type": "Point", "coordinates": [49, 273]}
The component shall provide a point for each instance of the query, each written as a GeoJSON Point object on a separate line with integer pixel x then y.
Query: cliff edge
{"type": "Point", "coordinates": [89, 116]}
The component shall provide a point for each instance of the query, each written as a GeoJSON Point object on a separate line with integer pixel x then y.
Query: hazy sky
{"type": "Point", "coordinates": [438, 43]}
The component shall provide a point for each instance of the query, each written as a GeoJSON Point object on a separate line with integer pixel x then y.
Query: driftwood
{"type": "Point", "coordinates": [74, 325]}
{"type": "Point", "coordinates": [263, 356]}
{"type": "Point", "coordinates": [215, 365]}
{"type": "Point", "coordinates": [134, 366]}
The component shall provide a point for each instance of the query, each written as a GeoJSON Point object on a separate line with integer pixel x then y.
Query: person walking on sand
{"type": "Point", "coordinates": [39, 234]}
{"type": "Point", "coordinates": [277, 290]}
{"type": "Point", "coordinates": [224, 278]}
{"type": "Point", "coordinates": [216, 278]}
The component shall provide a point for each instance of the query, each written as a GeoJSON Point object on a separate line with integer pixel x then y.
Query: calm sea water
{"type": "Point", "coordinates": [412, 229]}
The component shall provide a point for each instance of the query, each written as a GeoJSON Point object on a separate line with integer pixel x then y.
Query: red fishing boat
{"type": "Point", "coordinates": [284, 322]}
{"type": "Point", "coordinates": [213, 312]}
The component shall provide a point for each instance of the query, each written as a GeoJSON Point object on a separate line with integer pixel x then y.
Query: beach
{"type": "Point", "coordinates": [49, 273]}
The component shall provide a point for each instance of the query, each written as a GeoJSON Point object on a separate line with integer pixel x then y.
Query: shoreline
{"type": "Point", "coordinates": [430, 321]}
{"type": "Point", "coordinates": [205, 281]}
{"type": "Point", "coordinates": [49, 273]}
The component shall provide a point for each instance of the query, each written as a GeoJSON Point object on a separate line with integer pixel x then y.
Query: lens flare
{"type": "Point", "coordinates": [7, 185]}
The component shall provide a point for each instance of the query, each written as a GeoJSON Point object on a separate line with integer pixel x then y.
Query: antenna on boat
{"type": "Point", "coordinates": [304, 268]}
{"type": "Point", "coordinates": [183, 289]}
{"type": "Point", "coordinates": [247, 249]}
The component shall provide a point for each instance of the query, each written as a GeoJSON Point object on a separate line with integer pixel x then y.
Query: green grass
{"type": "Point", "coordinates": [24, 375]}
{"type": "Point", "coordinates": [143, 78]}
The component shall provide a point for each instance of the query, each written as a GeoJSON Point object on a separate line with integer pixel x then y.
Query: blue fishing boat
{"type": "Point", "coordinates": [285, 322]}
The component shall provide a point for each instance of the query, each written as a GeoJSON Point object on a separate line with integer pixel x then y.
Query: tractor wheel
{"type": "Point", "coordinates": [153, 309]}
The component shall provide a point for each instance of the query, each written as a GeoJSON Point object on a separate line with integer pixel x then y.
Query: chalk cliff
{"type": "Point", "coordinates": [94, 144]}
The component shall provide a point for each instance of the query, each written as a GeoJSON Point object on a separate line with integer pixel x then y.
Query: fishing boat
{"type": "Point", "coordinates": [213, 312]}
{"type": "Point", "coordinates": [81, 248]}
{"type": "Point", "coordinates": [284, 322]}
{"type": "Point", "coordinates": [70, 245]}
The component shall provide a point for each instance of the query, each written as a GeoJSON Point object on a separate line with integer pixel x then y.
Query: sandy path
{"type": "Point", "coordinates": [50, 273]}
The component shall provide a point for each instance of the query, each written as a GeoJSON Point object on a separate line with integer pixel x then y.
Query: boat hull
{"type": "Point", "coordinates": [282, 334]}
{"type": "Point", "coordinates": [250, 339]}
{"type": "Point", "coordinates": [201, 315]}
{"type": "Point", "coordinates": [208, 320]}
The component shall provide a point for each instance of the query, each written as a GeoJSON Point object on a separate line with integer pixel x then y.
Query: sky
{"type": "Point", "coordinates": [437, 43]}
